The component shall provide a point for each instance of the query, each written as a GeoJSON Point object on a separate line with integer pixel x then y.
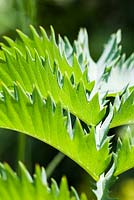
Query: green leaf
{"type": "Point", "coordinates": [110, 72]}
{"type": "Point", "coordinates": [29, 72]}
{"type": "Point", "coordinates": [124, 156]}
{"type": "Point", "coordinates": [24, 187]}
{"type": "Point", "coordinates": [43, 84]}
{"type": "Point", "coordinates": [124, 110]}
{"type": "Point", "coordinates": [47, 46]}
{"type": "Point", "coordinates": [43, 119]}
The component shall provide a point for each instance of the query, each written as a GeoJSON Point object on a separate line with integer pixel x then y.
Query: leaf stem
{"type": "Point", "coordinates": [54, 163]}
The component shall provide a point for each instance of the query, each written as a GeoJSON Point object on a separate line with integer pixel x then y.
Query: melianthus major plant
{"type": "Point", "coordinates": [43, 84]}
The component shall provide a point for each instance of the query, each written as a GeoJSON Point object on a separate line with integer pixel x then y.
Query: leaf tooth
{"type": "Point", "coordinates": [83, 197]}
{"type": "Point", "coordinates": [29, 58]}
{"type": "Point", "coordinates": [77, 131]}
{"type": "Point", "coordinates": [7, 53]}
{"type": "Point", "coordinates": [9, 40]}
{"type": "Point", "coordinates": [25, 175]}
{"type": "Point", "coordinates": [36, 96]}
{"type": "Point", "coordinates": [18, 53]}
{"type": "Point", "coordinates": [38, 59]}
{"type": "Point", "coordinates": [81, 92]}
{"type": "Point", "coordinates": [24, 102]}
{"type": "Point", "coordinates": [20, 93]}
{"type": "Point", "coordinates": [44, 34]}
{"type": "Point", "coordinates": [54, 188]}
{"type": "Point", "coordinates": [76, 66]}
{"type": "Point", "coordinates": [24, 37]}
{"type": "Point", "coordinates": [53, 36]}
{"type": "Point", "coordinates": [40, 176]}
{"type": "Point", "coordinates": [7, 94]}
{"type": "Point", "coordinates": [64, 191]}
{"type": "Point", "coordinates": [75, 193]}
{"type": "Point", "coordinates": [34, 32]}
{"type": "Point", "coordinates": [16, 74]}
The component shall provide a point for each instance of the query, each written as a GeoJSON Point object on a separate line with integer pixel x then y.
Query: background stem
{"type": "Point", "coordinates": [54, 163]}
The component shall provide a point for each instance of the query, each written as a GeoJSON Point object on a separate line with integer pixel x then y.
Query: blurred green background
{"type": "Point", "coordinates": [101, 18]}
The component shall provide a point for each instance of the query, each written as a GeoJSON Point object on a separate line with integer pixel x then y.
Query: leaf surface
{"type": "Point", "coordinates": [44, 120]}
{"type": "Point", "coordinates": [24, 187]}
{"type": "Point", "coordinates": [124, 110]}
{"type": "Point", "coordinates": [124, 157]}
{"type": "Point", "coordinates": [32, 72]}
